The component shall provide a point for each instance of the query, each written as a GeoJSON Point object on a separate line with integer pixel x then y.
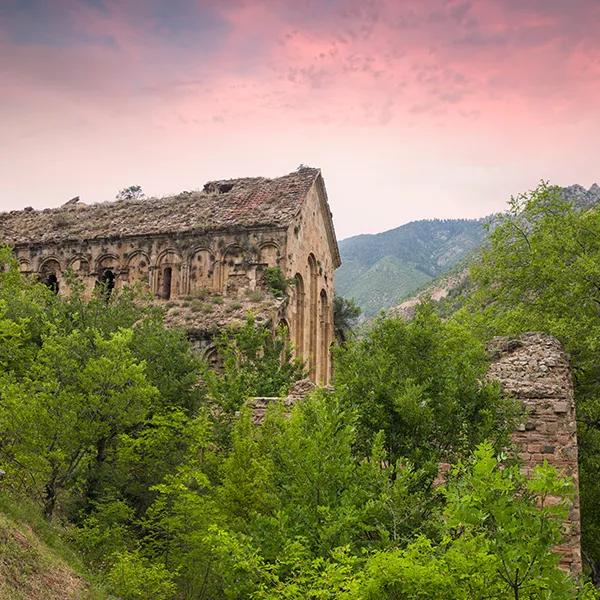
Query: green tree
{"type": "Point", "coordinates": [276, 281]}
{"type": "Point", "coordinates": [68, 409]}
{"type": "Point", "coordinates": [253, 361]}
{"type": "Point", "coordinates": [133, 192]}
{"type": "Point", "coordinates": [289, 494]}
{"type": "Point", "coordinates": [541, 272]}
{"type": "Point", "coordinates": [496, 541]}
{"type": "Point", "coordinates": [422, 384]}
{"type": "Point", "coordinates": [345, 316]}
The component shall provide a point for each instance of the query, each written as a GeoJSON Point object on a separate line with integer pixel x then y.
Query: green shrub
{"type": "Point", "coordinates": [133, 577]}
{"type": "Point", "coordinates": [276, 283]}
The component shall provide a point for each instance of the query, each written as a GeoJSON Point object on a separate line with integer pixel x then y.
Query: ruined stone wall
{"type": "Point", "coordinates": [170, 265]}
{"type": "Point", "coordinates": [179, 268]}
{"type": "Point", "coordinates": [534, 369]}
{"type": "Point", "coordinates": [311, 264]}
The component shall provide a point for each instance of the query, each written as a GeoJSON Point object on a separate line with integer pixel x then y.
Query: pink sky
{"type": "Point", "coordinates": [412, 108]}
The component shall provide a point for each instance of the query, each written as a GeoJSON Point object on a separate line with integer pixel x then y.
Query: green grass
{"type": "Point", "coordinates": [36, 560]}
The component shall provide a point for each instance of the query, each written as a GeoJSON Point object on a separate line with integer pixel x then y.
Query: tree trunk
{"type": "Point", "coordinates": [49, 499]}
{"type": "Point", "coordinates": [91, 493]}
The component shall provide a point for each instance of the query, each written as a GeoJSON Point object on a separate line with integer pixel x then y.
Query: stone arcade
{"type": "Point", "coordinates": [216, 243]}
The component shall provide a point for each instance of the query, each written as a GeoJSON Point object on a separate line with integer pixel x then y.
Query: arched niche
{"type": "Point", "coordinates": [269, 254]}
{"type": "Point", "coordinates": [299, 299]}
{"type": "Point", "coordinates": [234, 276]}
{"type": "Point", "coordinates": [313, 296]}
{"type": "Point", "coordinates": [202, 270]}
{"type": "Point", "coordinates": [324, 335]}
{"type": "Point", "coordinates": [283, 328]}
{"type": "Point", "coordinates": [138, 268]}
{"type": "Point", "coordinates": [24, 265]}
{"type": "Point", "coordinates": [80, 266]}
{"type": "Point", "coordinates": [211, 356]}
{"type": "Point", "coordinates": [168, 277]}
{"type": "Point", "coordinates": [107, 261]}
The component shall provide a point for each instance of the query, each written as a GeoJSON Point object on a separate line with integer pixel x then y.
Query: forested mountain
{"type": "Point", "coordinates": [379, 270]}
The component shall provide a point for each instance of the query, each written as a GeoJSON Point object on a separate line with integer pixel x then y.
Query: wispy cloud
{"type": "Point", "coordinates": [196, 74]}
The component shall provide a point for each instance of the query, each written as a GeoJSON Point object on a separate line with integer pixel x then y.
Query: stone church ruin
{"type": "Point", "coordinates": [204, 255]}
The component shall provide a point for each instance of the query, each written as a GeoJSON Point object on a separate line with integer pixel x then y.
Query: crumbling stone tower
{"type": "Point", "coordinates": [534, 369]}
{"type": "Point", "coordinates": [216, 243]}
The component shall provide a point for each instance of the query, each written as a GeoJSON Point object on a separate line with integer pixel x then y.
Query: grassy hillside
{"type": "Point", "coordinates": [383, 284]}
{"type": "Point", "coordinates": [35, 562]}
{"type": "Point", "coordinates": [378, 270]}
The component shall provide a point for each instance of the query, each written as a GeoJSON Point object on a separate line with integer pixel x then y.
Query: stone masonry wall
{"type": "Point", "coordinates": [534, 369]}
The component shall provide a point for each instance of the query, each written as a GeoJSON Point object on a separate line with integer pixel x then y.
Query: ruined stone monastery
{"type": "Point", "coordinates": [202, 254]}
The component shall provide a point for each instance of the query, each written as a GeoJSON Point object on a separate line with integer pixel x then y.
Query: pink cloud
{"type": "Point", "coordinates": [119, 89]}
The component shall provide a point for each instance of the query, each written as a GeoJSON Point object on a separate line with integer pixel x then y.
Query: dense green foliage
{"type": "Point", "coordinates": [378, 270]}
{"type": "Point", "coordinates": [541, 272]}
{"type": "Point", "coordinates": [345, 317]}
{"type": "Point", "coordinates": [113, 426]}
{"type": "Point", "coordinates": [421, 384]}
{"type": "Point", "coordinates": [276, 282]}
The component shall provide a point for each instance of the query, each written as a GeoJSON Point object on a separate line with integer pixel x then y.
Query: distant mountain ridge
{"type": "Point", "coordinates": [379, 270]}
{"type": "Point", "coordinates": [580, 197]}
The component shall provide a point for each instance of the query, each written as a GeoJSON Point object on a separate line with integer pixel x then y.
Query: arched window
{"type": "Point", "coordinates": [52, 282]}
{"type": "Point", "coordinates": [168, 282]}
{"type": "Point", "coordinates": [107, 283]}
{"type": "Point", "coordinates": [49, 274]}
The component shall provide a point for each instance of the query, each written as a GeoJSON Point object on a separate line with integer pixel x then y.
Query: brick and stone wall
{"type": "Point", "coordinates": [534, 369]}
{"type": "Point", "coordinates": [298, 392]}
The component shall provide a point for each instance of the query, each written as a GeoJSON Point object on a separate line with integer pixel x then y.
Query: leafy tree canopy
{"type": "Point", "coordinates": [541, 272]}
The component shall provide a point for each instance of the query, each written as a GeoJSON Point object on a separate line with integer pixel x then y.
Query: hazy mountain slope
{"type": "Point", "coordinates": [379, 269]}
{"type": "Point", "coordinates": [450, 289]}
{"type": "Point", "coordinates": [383, 283]}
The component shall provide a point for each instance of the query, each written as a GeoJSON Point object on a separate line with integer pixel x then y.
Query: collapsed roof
{"type": "Point", "coordinates": [221, 205]}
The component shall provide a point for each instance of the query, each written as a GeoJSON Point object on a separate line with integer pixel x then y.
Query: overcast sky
{"type": "Point", "coordinates": [411, 108]}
